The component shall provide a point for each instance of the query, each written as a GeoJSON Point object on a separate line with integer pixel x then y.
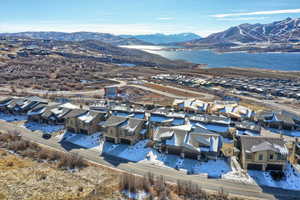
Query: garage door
{"type": "Point", "coordinates": [83, 131]}
{"type": "Point", "coordinates": [125, 141]}
{"type": "Point", "coordinates": [191, 155]}
{"type": "Point", "coordinates": [71, 130]}
{"type": "Point", "coordinates": [271, 167]}
{"type": "Point", "coordinates": [254, 167]}
{"type": "Point", "coordinates": [109, 139]}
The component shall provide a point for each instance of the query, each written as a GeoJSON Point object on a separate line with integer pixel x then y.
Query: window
{"type": "Point", "coordinates": [248, 156]}
{"type": "Point", "coordinates": [271, 157]}
{"type": "Point", "coordinates": [280, 157]}
{"type": "Point", "coordinates": [260, 157]}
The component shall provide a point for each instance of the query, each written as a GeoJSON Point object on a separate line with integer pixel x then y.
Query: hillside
{"type": "Point", "coordinates": [78, 36]}
{"type": "Point", "coordinates": [90, 50]}
{"type": "Point", "coordinates": [285, 31]}
{"type": "Point", "coordinates": [164, 38]}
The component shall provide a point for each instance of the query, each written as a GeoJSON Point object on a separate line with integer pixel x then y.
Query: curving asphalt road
{"type": "Point", "coordinates": [233, 188]}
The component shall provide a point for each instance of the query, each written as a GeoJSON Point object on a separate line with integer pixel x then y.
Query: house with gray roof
{"type": "Point", "coordinates": [247, 128]}
{"type": "Point", "coordinates": [279, 119]}
{"type": "Point", "coordinates": [21, 105]}
{"type": "Point", "coordinates": [118, 129]}
{"type": "Point", "coordinates": [189, 142]}
{"type": "Point", "coordinates": [216, 124]}
{"type": "Point", "coordinates": [263, 153]}
{"type": "Point", "coordinates": [84, 121]}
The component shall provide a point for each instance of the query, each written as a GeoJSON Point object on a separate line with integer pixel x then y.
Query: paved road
{"type": "Point", "coordinates": [67, 93]}
{"type": "Point", "coordinates": [171, 175]}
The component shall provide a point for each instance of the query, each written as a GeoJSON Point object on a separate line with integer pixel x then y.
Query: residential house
{"type": "Point", "coordinates": [195, 143]}
{"type": "Point", "coordinates": [279, 119]}
{"type": "Point", "coordinates": [84, 121]}
{"type": "Point", "coordinates": [263, 153]}
{"type": "Point", "coordinates": [247, 128]}
{"type": "Point", "coordinates": [4, 103]}
{"type": "Point", "coordinates": [217, 124]}
{"type": "Point", "coordinates": [191, 105]}
{"type": "Point", "coordinates": [22, 105]}
{"type": "Point", "coordinates": [232, 110]}
{"type": "Point", "coordinates": [118, 129]}
{"type": "Point", "coordinates": [52, 114]}
{"type": "Point", "coordinates": [295, 152]}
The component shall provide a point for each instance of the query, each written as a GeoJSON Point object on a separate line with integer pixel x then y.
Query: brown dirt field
{"type": "Point", "coordinates": [23, 178]}
{"type": "Point", "coordinates": [170, 90]}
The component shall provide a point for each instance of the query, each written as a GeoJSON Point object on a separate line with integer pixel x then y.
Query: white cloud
{"type": "Point", "coordinates": [165, 18]}
{"type": "Point", "coordinates": [117, 29]}
{"type": "Point", "coordinates": [242, 18]}
{"type": "Point", "coordinates": [271, 12]}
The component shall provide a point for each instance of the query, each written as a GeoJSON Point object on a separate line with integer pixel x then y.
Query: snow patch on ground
{"type": "Point", "coordinates": [85, 141]}
{"type": "Point", "coordinates": [140, 153]}
{"type": "Point", "coordinates": [238, 176]}
{"type": "Point", "coordinates": [133, 153]}
{"type": "Point", "coordinates": [45, 128]}
{"type": "Point", "coordinates": [136, 152]}
{"type": "Point", "coordinates": [291, 181]}
{"type": "Point", "coordinates": [12, 118]}
{"type": "Point", "coordinates": [133, 195]}
{"type": "Point", "coordinates": [214, 168]}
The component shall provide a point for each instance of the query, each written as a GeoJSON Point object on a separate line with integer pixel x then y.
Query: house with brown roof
{"type": "Point", "coordinates": [263, 153]}
{"type": "Point", "coordinates": [84, 121]}
{"type": "Point", "coordinates": [126, 130]}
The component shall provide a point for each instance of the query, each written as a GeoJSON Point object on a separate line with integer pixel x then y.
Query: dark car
{"type": "Point", "coordinates": [46, 136]}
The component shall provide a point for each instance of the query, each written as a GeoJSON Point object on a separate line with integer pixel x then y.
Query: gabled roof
{"type": "Point", "coordinates": [252, 144]}
{"type": "Point", "coordinates": [89, 116]}
{"type": "Point", "coordinates": [279, 116]}
{"type": "Point", "coordinates": [5, 101]}
{"type": "Point", "coordinates": [113, 121]}
{"type": "Point", "coordinates": [132, 124]}
{"type": "Point", "coordinates": [248, 126]}
{"type": "Point", "coordinates": [36, 99]}
{"type": "Point", "coordinates": [194, 140]}
{"type": "Point", "coordinates": [74, 113]}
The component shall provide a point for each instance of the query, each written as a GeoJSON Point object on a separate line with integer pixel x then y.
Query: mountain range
{"type": "Point", "coordinates": [285, 31]}
{"type": "Point", "coordinates": [78, 36]}
{"type": "Point", "coordinates": [108, 38]}
{"type": "Point", "coordinates": [160, 38]}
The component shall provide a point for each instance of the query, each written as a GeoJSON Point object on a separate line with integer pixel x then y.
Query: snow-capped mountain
{"type": "Point", "coordinates": [287, 30]}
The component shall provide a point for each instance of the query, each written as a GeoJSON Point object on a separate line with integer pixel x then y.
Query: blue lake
{"type": "Point", "coordinates": [275, 61]}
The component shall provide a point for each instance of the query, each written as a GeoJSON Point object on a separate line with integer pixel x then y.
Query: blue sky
{"type": "Point", "coordinates": [140, 16]}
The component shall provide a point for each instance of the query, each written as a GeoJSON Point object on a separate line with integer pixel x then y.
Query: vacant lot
{"type": "Point", "coordinates": [171, 90]}
{"type": "Point", "coordinates": [23, 178]}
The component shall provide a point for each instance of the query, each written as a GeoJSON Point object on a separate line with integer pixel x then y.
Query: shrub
{"type": "Point", "coordinates": [19, 145]}
{"type": "Point", "coordinates": [71, 161]}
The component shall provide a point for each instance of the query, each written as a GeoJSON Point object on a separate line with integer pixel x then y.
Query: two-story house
{"type": "Point", "coordinates": [186, 141]}
{"type": "Point", "coordinates": [84, 121]}
{"type": "Point", "coordinates": [263, 153]}
{"type": "Point", "coordinates": [126, 130]}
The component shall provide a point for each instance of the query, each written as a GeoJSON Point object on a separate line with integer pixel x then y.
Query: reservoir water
{"type": "Point", "coordinates": [275, 61]}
